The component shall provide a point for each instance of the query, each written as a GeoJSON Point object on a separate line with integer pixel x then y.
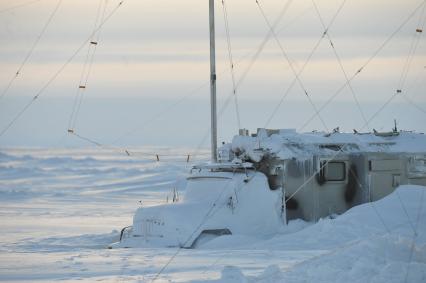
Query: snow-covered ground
{"type": "Point", "coordinates": [59, 209]}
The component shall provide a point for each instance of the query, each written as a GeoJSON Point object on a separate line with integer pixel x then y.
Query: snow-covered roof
{"type": "Point", "coordinates": [287, 143]}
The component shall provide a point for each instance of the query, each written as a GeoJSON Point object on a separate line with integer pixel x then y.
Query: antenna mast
{"type": "Point", "coordinates": [213, 83]}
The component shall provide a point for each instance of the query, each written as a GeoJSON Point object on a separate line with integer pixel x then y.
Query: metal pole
{"type": "Point", "coordinates": [213, 83]}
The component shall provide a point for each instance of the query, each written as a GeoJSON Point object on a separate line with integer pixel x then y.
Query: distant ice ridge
{"type": "Point", "coordinates": [362, 245]}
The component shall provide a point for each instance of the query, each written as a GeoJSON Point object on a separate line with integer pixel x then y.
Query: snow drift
{"type": "Point", "coordinates": [384, 241]}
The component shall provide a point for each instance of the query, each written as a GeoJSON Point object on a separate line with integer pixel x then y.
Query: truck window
{"type": "Point", "coordinates": [333, 171]}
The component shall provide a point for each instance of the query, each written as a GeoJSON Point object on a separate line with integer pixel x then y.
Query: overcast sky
{"type": "Point", "coordinates": [151, 54]}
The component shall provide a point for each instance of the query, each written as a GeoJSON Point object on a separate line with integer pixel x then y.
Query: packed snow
{"type": "Point", "coordinates": [61, 208]}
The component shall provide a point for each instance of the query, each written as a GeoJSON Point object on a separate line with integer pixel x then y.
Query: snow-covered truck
{"type": "Point", "coordinates": [263, 180]}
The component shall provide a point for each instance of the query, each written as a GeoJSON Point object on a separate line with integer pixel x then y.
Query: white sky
{"type": "Point", "coordinates": [157, 51]}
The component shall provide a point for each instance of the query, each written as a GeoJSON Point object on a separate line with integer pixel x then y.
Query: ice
{"type": "Point", "coordinates": [288, 144]}
{"type": "Point", "coordinates": [60, 208]}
